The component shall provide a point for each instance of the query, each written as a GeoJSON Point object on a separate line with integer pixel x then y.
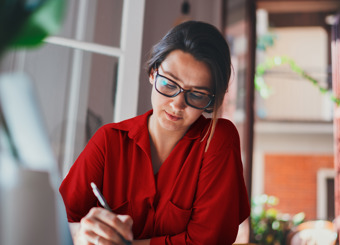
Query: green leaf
{"type": "Point", "coordinates": [262, 68]}
{"type": "Point", "coordinates": [299, 218]}
{"type": "Point", "coordinates": [44, 21]}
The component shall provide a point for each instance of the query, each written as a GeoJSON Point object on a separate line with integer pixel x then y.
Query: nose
{"type": "Point", "coordinates": [178, 102]}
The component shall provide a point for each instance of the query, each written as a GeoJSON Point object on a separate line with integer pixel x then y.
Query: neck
{"type": "Point", "coordinates": [161, 143]}
{"type": "Point", "coordinates": [162, 137]}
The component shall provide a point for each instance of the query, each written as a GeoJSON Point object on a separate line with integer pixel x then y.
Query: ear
{"type": "Point", "coordinates": [152, 76]}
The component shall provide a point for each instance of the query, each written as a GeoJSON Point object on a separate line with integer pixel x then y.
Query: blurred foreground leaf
{"type": "Point", "coordinates": [46, 20]}
{"type": "Point", "coordinates": [26, 23]}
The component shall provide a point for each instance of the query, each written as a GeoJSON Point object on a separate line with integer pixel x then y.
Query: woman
{"type": "Point", "coordinates": [171, 176]}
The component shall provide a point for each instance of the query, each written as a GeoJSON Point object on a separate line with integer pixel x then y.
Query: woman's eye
{"type": "Point", "coordinates": [171, 86]}
{"type": "Point", "coordinates": [167, 84]}
{"type": "Point", "coordinates": [196, 96]}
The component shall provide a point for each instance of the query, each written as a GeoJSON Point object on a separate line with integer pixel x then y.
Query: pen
{"type": "Point", "coordinates": [103, 202]}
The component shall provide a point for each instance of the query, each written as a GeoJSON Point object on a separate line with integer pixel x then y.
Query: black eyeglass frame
{"type": "Point", "coordinates": [182, 90]}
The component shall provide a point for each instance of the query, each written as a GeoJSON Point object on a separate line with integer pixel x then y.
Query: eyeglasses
{"type": "Point", "coordinates": [169, 88]}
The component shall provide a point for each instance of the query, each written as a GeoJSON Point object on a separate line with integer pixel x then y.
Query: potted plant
{"type": "Point", "coordinates": [269, 226]}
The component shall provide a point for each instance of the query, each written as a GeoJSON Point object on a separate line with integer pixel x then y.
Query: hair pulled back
{"type": "Point", "coordinates": [206, 44]}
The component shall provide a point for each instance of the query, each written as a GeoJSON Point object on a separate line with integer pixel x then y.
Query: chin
{"type": "Point", "coordinates": [169, 125]}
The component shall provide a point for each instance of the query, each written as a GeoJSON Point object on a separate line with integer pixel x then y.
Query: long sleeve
{"type": "Point", "coordinates": [75, 188]}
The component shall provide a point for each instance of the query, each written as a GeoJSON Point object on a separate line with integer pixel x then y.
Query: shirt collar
{"type": "Point", "coordinates": [198, 128]}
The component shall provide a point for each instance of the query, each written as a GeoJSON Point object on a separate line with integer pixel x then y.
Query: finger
{"type": "Point", "coordinates": [113, 220]}
{"type": "Point", "coordinates": [123, 227]}
{"type": "Point", "coordinates": [93, 238]}
{"type": "Point", "coordinates": [88, 237]}
{"type": "Point", "coordinates": [93, 227]}
{"type": "Point", "coordinates": [96, 240]}
{"type": "Point", "coordinates": [126, 219]}
{"type": "Point", "coordinates": [108, 224]}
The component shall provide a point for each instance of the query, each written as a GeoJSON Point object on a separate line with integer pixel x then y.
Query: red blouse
{"type": "Point", "coordinates": [196, 197]}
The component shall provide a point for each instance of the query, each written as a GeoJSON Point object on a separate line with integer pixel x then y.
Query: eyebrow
{"type": "Point", "coordinates": [177, 79]}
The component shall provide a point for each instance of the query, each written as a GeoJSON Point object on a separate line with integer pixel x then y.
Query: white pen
{"type": "Point", "coordinates": [100, 197]}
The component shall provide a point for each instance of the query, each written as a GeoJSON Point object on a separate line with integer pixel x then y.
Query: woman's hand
{"type": "Point", "coordinates": [101, 226]}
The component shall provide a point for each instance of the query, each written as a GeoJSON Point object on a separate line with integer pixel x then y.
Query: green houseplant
{"type": "Point", "coordinates": [269, 226]}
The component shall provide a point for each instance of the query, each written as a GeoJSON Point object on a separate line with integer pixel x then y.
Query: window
{"type": "Point", "coordinates": [325, 194]}
{"type": "Point", "coordinates": [88, 74]}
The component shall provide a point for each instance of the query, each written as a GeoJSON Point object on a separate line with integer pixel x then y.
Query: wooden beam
{"type": "Point", "coordinates": [299, 6]}
{"type": "Point", "coordinates": [297, 19]}
{"type": "Point", "coordinates": [250, 94]}
{"type": "Point", "coordinates": [336, 90]}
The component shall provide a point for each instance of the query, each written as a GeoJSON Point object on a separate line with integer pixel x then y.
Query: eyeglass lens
{"type": "Point", "coordinates": [169, 88]}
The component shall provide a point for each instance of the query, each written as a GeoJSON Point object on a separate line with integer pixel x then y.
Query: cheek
{"type": "Point", "coordinates": [194, 113]}
{"type": "Point", "coordinates": [157, 99]}
{"type": "Point", "coordinates": [153, 98]}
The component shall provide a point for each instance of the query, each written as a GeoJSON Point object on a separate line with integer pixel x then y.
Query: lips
{"type": "Point", "coordinates": [172, 117]}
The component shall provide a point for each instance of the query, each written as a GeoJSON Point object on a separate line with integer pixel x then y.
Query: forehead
{"type": "Point", "coordinates": [186, 70]}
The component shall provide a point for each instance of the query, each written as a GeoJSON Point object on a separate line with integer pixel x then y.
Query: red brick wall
{"type": "Point", "coordinates": [293, 179]}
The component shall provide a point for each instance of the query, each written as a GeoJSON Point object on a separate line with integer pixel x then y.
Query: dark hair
{"type": "Point", "coordinates": [205, 43]}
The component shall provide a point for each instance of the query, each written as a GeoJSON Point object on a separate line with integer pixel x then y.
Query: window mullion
{"type": "Point", "coordinates": [76, 85]}
{"type": "Point", "coordinates": [129, 63]}
{"type": "Point", "coordinates": [85, 46]}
